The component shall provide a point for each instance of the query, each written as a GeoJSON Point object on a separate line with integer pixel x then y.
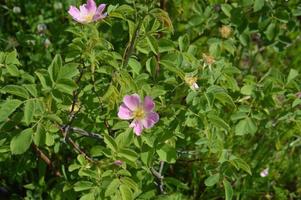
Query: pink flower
{"type": "Point", "coordinates": [141, 112]}
{"type": "Point", "coordinates": [88, 12]}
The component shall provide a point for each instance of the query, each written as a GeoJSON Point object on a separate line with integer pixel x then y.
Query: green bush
{"type": "Point", "coordinates": [223, 75]}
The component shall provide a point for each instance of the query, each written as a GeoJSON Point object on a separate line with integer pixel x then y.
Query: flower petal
{"type": "Point", "coordinates": [149, 104]}
{"type": "Point", "coordinates": [100, 8]}
{"type": "Point", "coordinates": [150, 120]}
{"type": "Point", "coordinates": [74, 12]}
{"type": "Point", "coordinates": [138, 127]}
{"type": "Point", "coordinates": [132, 101]}
{"type": "Point", "coordinates": [124, 112]}
{"type": "Point", "coordinates": [83, 10]}
{"type": "Point", "coordinates": [91, 6]}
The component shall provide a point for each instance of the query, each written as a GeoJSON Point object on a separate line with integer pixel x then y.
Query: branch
{"type": "Point", "coordinates": [130, 47]}
{"type": "Point", "coordinates": [46, 160]}
{"type": "Point", "coordinates": [83, 132]}
{"type": "Point", "coordinates": [159, 176]}
{"type": "Point", "coordinates": [65, 129]}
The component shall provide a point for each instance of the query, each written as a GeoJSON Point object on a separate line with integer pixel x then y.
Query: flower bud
{"type": "Point", "coordinates": [118, 162]}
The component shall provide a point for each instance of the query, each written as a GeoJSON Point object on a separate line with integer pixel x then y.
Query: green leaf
{"type": "Point", "coordinates": [68, 71]}
{"type": "Point", "coordinates": [258, 5]}
{"type": "Point", "coordinates": [167, 154]}
{"type": "Point", "coordinates": [212, 180]}
{"type": "Point", "coordinates": [292, 75]}
{"type": "Point", "coordinates": [126, 193]}
{"type": "Point", "coordinates": [183, 43]}
{"type": "Point", "coordinates": [219, 122]}
{"type": "Point", "coordinates": [55, 67]}
{"type": "Point", "coordinates": [111, 189]}
{"type": "Point", "coordinates": [13, 70]}
{"type": "Point", "coordinates": [29, 109]}
{"type": "Point", "coordinates": [32, 89]}
{"type": "Point", "coordinates": [83, 185]}
{"type": "Point", "coordinates": [152, 43]}
{"type": "Point", "coordinates": [16, 90]}
{"type": "Point", "coordinates": [171, 67]}
{"type": "Point", "coordinates": [110, 142]}
{"type": "Point", "coordinates": [11, 58]}
{"type": "Point", "coordinates": [44, 79]}
{"type": "Point", "coordinates": [39, 136]}
{"type": "Point", "coordinates": [228, 190]}
{"type": "Point", "coordinates": [21, 142]}
{"type": "Point", "coordinates": [128, 154]}
{"type": "Point", "coordinates": [8, 108]}
{"type": "Point", "coordinates": [135, 65]}
{"type": "Point", "coordinates": [241, 164]}
{"type": "Point", "coordinates": [226, 8]}
{"type": "Point", "coordinates": [245, 126]}
{"type": "Point", "coordinates": [66, 86]}
{"type": "Point", "coordinates": [270, 32]}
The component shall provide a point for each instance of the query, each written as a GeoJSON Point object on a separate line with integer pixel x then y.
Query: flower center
{"type": "Point", "coordinates": [139, 113]}
{"type": "Point", "coordinates": [89, 17]}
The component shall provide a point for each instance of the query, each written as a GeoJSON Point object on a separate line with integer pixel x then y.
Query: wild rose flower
{"type": "Point", "coordinates": [88, 12]}
{"type": "Point", "coordinates": [141, 112]}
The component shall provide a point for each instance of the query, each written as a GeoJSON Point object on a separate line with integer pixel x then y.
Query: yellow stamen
{"type": "Point", "coordinates": [139, 113]}
{"type": "Point", "coordinates": [89, 17]}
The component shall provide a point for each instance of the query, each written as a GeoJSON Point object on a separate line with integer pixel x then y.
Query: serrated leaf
{"type": "Point", "coordinates": [8, 107]}
{"type": "Point", "coordinates": [21, 142]}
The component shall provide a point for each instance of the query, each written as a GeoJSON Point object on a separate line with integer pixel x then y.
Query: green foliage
{"type": "Point", "coordinates": [224, 75]}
